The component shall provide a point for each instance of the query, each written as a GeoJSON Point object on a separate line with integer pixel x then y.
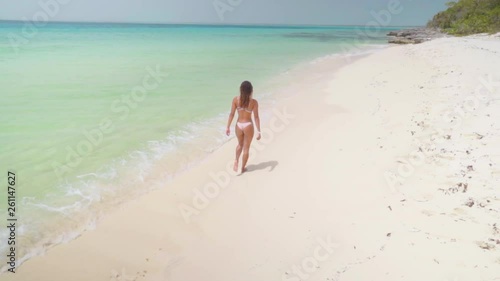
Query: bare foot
{"type": "Point", "coordinates": [243, 170]}
{"type": "Point", "coordinates": [235, 167]}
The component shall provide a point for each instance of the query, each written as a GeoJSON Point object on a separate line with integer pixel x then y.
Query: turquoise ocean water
{"type": "Point", "coordinates": [97, 114]}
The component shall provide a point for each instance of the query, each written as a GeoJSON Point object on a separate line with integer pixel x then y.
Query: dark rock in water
{"type": "Point", "coordinates": [414, 36]}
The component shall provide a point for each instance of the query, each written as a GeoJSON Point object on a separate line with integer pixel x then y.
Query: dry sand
{"type": "Point", "coordinates": [384, 169]}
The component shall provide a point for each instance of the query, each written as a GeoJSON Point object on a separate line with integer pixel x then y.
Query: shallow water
{"type": "Point", "coordinates": [89, 111]}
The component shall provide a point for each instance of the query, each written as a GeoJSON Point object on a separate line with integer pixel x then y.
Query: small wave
{"type": "Point", "coordinates": [353, 52]}
{"type": "Point", "coordinates": [76, 205]}
{"type": "Point", "coordinates": [90, 194]}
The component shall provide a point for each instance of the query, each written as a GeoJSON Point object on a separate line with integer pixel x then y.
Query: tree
{"type": "Point", "coordinates": [468, 17]}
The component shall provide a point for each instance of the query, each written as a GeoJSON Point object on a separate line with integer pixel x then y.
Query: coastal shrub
{"type": "Point", "coordinates": [495, 18]}
{"type": "Point", "coordinates": [468, 17]}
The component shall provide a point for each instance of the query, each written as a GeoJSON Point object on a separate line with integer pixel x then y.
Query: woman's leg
{"type": "Point", "coordinates": [247, 140]}
{"type": "Point", "coordinates": [239, 148]}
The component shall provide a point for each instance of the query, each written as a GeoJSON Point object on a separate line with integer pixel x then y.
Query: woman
{"type": "Point", "coordinates": [245, 105]}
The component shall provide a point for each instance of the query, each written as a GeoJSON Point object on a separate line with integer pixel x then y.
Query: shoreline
{"type": "Point", "coordinates": [206, 24]}
{"type": "Point", "coordinates": [316, 192]}
{"type": "Point", "coordinates": [89, 220]}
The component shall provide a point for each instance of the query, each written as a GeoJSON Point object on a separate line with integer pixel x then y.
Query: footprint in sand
{"type": "Point", "coordinates": [459, 211]}
{"type": "Point", "coordinates": [428, 213]}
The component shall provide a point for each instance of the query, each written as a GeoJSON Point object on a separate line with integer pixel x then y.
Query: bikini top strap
{"type": "Point", "coordinates": [238, 103]}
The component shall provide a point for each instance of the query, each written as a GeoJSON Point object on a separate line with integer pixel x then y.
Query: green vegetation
{"type": "Point", "coordinates": [468, 17]}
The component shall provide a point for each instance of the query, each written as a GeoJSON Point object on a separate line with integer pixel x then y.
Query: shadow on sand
{"type": "Point", "coordinates": [262, 166]}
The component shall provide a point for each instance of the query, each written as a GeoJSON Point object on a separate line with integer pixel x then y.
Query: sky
{"type": "Point", "coordinates": [281, 12]}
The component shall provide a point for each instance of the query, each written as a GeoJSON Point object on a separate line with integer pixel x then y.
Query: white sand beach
{"type": "Point", "coordinates": [386, 167]}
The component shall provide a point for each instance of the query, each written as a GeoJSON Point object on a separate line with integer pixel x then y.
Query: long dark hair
{"type": "Point", "coordinates": [246, 90]}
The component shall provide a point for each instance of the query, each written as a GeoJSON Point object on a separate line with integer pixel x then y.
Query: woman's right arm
{"type": "Point", "coordinates": [257, 118]}
{"type": "Point", "coordinates": [231, 116]}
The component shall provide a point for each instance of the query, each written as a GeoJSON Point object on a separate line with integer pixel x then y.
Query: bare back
{"type": "Point", "coordinates": [245, 114]}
